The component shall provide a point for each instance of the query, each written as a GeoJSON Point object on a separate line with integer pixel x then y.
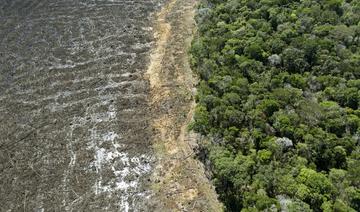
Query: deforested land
{"type": "Point", "coordinates": [95, 99]}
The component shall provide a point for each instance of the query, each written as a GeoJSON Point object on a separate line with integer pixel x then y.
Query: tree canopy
{"type": "Point", "coordinates": [279, 99]}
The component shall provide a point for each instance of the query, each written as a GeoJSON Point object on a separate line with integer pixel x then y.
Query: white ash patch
{"type": "Point", "coordinates": [110, 157]}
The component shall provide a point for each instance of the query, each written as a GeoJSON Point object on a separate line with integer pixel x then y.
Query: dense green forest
{"type": "Point", "coordinates": [278, 98]}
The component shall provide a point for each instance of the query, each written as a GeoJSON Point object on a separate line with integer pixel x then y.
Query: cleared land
{"type": "Point", "coordinates": [74, 114]}
{"type": "Point", "coordinates": [94, 107]}
{"type": "Point", "coordinates": [179, 181]}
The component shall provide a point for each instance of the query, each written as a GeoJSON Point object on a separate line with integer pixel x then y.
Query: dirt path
{"type": "Point", "coordinates": [179, 182]}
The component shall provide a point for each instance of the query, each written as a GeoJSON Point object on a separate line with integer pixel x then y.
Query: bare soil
{"type": "Point", "coordinates": [95, 98]}
{"type": "Point", "coordinates": [75, 132]}
{"type": "Point", "coordinates": [179, 181]}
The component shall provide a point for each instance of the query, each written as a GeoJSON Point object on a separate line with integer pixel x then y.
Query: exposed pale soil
{"type": "Point", "coordinates": [179, 180]}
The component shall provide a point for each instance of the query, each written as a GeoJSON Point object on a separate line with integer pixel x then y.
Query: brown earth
{"type": "Point", "coordinates": [75, 132]}
{"type": "Point", "coordinates": [179, 181]}
{"type": "Point", "coordinates": [79, 122]}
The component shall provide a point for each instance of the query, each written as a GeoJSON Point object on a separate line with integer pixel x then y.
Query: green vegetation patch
{"type": "Point", "coordinates": [279, 97]}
